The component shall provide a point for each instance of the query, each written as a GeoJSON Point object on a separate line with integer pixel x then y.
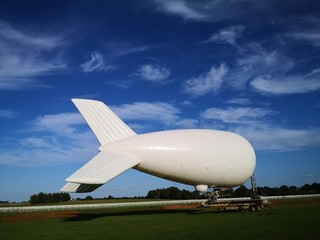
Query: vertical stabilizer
{"type": "Point", "coordinates": [104, 123]}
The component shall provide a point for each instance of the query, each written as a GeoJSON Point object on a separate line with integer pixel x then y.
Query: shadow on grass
{"type": "Point", "coordinates": [92, 216]}
{"type": "Point", "coordinates": [196, 211]}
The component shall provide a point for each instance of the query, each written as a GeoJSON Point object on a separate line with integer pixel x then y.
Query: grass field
{"type": "Point", "coordinates": [289, 219]}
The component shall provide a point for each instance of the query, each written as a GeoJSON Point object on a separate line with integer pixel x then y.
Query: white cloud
{"type": "Point", "coordinates": [182, 9]}
{"type": "Point", "coordinates": [123, 49]}
{"type": "Point", "coordinates": [96, 63]}
{"type": "Point", "coordinates": [256, 61]}
{"type": "Point", "coordinates": [24, 57]}
{"type": "Point", "coordinates": [254, 125]}
{"type": "Point", "coordinates": [39, 152]}
{"type": "Point", "coordinates": [226, 35]}
{"type": "Point", "coordinates": [62, 124]}
{"type": "Point", "coordinates": [18, 66]}
{"type": "Point", "coordinates": [212, 10]}
{"type": "Point", "coordinates": [144, 116]}
{"type": "Point", "coordinates": [273, 138]}
{"type": "Point", "coordinates": [52, 139]}
{"type": "Point", "coordinates": [308, 30]}
{"type": "Point", "coordinates": [313, 38]}
{"type": "Point", "coordinates": [35, 40]}
{"type": "Point", "coordinates": [187, 124]}
{"type": "Point", "coordinates": [157, 112]}
{"type": "Point", "coordinates": [293, 84]}
{"type": "Point", "coordinates": [153, 73]}
{"type": "Point", "coordinates": [37, 142]}
{"type": "Point", "coordinates": [7, 114]}
{"type": "Point", "coordinates": [208, 82]}
{"type": "Point", "coordinates": [239, 101]}
{"type": "Point", "coordinates": [237, 114]}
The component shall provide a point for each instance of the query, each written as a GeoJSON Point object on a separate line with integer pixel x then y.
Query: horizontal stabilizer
{"type": "Point", "coordinates": [104, 123]}
{"type": "Point", "coordinates": [102, 168]}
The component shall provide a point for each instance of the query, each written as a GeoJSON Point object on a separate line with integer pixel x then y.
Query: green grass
{"type": "Point", "coordinates": [289, 219]}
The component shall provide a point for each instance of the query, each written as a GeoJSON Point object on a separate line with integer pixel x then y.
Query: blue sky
{"type": "Point", "coordinates": [251, 67]}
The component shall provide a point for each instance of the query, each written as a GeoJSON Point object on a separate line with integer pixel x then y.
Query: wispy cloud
{"type": "Point", "coordinates": [255, 61]}
{"type": "Point", "coordinates": [188, 123]}
{"type": "Point", "coordinates": [157, 112]}
{"type": "Point", "coordinates": [226, 35]}
{"type": "Point", "coordinates": [62, 124]}
{"type": "Point", "coordinates": [36, 40]}
{"type": "Point", "coordinates": [52, 139]}
{"type": "Point", "coordinates": [292, 84]}
{"type": "Point", "coordinates": [212, 10]}
{"type": "Point", "coordinates": [123, 49]}
{"type": "Point", "coordinates": [7, 113]}
{"type": "Point", "coordinates": [154, 73]}
{"type": "Point", "coordinates": [256, 124]}
{"type": "Point", "coordinates": [307, 30]}
{"type": "Point", "coordinates": [24, 57]}
{"type": "Point", "coordinates": [96, 63]}
{"type": "Point", "coordinates": [311, 37]}
{"type": "Point", "coordinates": [265, 71]}
{"type": "Point", "coordinates": [143, 116]}
{"type": "Point", "coordinates": [182, 9]}
{"type": "Point", "coordinates": [208, 82]}
{"type": "Point", "coordinates": [237, 114]}
{"type": "Point", "coordinates": [277, 138]}
{"type": "Point", "coordinates": [239, 101]}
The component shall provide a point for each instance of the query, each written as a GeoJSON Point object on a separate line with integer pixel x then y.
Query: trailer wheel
{"type": "Point", "coordinates": [252, 208]}
{"type": "Point", "coordinates": [258, 208]}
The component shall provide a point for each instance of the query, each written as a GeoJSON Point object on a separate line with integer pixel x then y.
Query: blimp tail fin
{"type": "Point", "coordinates": [105, 166]}
{"type": "Point", "coordinates": [104, 123]}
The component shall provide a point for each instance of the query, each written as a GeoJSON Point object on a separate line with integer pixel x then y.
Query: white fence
{"type": "Point", "coordinates": [95, 206]}
{"type": "Point", "coordinates": [294, 196]}
{"type": "Point", "coordinates": [130, 204]}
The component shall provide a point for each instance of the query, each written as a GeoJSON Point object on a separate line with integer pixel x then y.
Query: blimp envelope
{"type": "Point", "coordinates": [199, 157]}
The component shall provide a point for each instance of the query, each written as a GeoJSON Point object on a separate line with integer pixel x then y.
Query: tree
{"type": "Point", "coordinates": [306, 189]}
{"type": "Point", "coordinates": [34, 199]}
{"type": "Point", "coordinates": [293, 190]}
{"type": "Point", "coordinates": [316, 187]}
{"type": "Point", "coordinates": [88, 198]}
{"type": "Point", "coordinates": [242, 191]}
{"type": "Point", "coordinates": [49, 198]}
{"type": "Point", "coordinates": [284, 190]}
{"type": "Point", "coordinates": [172, 193]}
{"type": "Point", "coordinates": [154, 194]}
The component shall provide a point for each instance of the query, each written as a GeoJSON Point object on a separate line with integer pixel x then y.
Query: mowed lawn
{"type": "Point", "coordinates": [289, 219]}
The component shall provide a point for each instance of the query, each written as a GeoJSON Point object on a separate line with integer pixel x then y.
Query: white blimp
{"type": "Point", "coordinates": [198, 157]}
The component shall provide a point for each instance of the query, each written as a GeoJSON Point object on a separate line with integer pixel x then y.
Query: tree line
{"type": "Point", "coordinates": [49, 198]}
{"type": "Point", "coordinates": [291, 190]}
{"type": "Point", "coordinates": [176, 193]}
{"type": "Point", "coordinates": [173, 193]}
{"type": "Point", "coordinates": [242, 191]}
{"type": "Point", "coordinates": [284, 190]}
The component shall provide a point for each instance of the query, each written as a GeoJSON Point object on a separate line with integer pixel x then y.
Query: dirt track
{"type": "Point", "coordinates": [175, 207]}
{"type": "Point", "coordinates": [28, 216]}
